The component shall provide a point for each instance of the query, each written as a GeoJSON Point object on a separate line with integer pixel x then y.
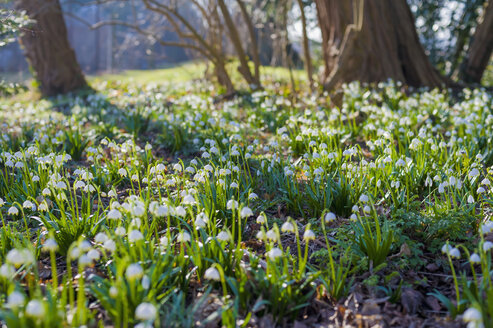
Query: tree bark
{"type": "Point", "coordinates": [372, 42]}
{"type": "Point", "coordinates": [234, 36]}
{"type": "Point", "coordinates": [253, 39]}
{"type": "Point", "coordinates": [306, 46]}
{"type": "Point", "coordinates": [48, 50]}
{"type": "Point", "coordinates": [480, 48]}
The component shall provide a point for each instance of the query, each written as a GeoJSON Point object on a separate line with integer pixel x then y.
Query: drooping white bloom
{"type": "Point", "coordinates": [13, 210]}
{"type": "Point", "coordinates": [252, 196]}
{"type": "Point", "coordinates": [309, 235]}
{"type": "Point", "coordinates": [287, 227]}
{"type": "Point", "coordinates": [183, 237]}
{"type": "Point", "coordinates": [231, 204]}
{"type": "Point", "coordinates": [329, 217]}
{"type": "Point", "coordinates": [35, 309]}
{"type": "Point", "coordinates": [246, 212]}
{"type": "Point", "coordinates": [212, 274]}
{"type": "Point", "coordinates": [474, 258]}
{"type": "Point", "coordinates": [109, 245]}
{"type": "Point", "coordinates": [472, 315]}
{"type": "Point", "coordinates": [100, 237]}
{"type": "Point", "coordinates": [135, 235]}
{"type": "Point", "coordinates": [274, 253]}
{"type": "Point", "coordinates": [134, 271]}
{"type": "Point", "coordinates": [487, 245]}
{"type": "Point", "coordinates": [114, 214]}
{"type": "Point", "coordinates": [261, 219]}
{"type": "Point", "coordinates": [93, 255]}
{"type": "Point", "coordinates": [223, 236]}
{"type": "Point", "coordinates": [85, 260]}
{"type": "Point", "coordinates": [454, 253]}
{"type": "Point", "coordinates": [146, 311]}
{"type": "Point", "coordinates": [50, 245]}
{"type": "Point", "coordinates": [15, 300]}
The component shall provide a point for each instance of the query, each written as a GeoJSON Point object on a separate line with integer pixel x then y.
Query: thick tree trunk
{"type": "Point", "coordinates": [480, 48]}
{"type": "Point", "coordinates": [48, 50]}
{"type": "Point", "coordinates": [374, 41]}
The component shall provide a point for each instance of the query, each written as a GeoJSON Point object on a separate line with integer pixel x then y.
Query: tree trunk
{"type": "Point", "coordinates": [372, 42]}
{"type": "Point", "coordinates": [48, 50]}
{"type": "Point", "coordinates": [306, 46]}
{"type": "Point", "coordinates": [253, 38]}
{"type": "Point", "coordinates": [234, 36]}
{"type": "Point", "coordinates": [480, 48]}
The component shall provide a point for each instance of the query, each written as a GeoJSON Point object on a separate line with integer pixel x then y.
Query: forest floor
{"type": "Point", "coordinates": [149, 203]}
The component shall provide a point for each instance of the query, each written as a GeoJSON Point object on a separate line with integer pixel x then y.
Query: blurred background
{"type": "Point", "coordinates": [110, 36]}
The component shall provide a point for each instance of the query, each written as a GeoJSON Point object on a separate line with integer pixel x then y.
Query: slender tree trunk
{"type": "Point", "coordinates": [372, 41]}
{"type": "Point", "coordinates": [48, 50]}
{"type": "Point", "coordinates": [306, 46]}
{"type": "Point", "coordinates": [253, 39]}
{"type": "Point", "coordinates": [234, 36]}
{"type": "Point", "coordinates": [480, 48]}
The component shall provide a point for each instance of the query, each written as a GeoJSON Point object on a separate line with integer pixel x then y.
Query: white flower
{"type": "Point", "coordinates": [309, 235]}
{"type": "Point", "coordinates": [114, 214]}
{"type": "Point", "coordinates": [472, 315]}
{"type": "Point", "coordinates": [164, 241]}
{"type": "Point", "coordinates": [246, 212]}
{"type": "Point", "coordinates": [120, 231]}
{"type": "Point", "coordinates": [231, 204]}
{"type": "Point", "coordinates": [274, 253]}
{"type": "Point", "coordinates": [134, 271]}
{"type": "Point", "coordinates": [35, 309]}
{"type": "Point", "coordinates": [363, 198]}
{"type": "Point", "coordinates": [18, 257]}
{"type": "Point", "coordinates": [271, 234]}
{"type": "Point", "coordinates": [223, 236]}
{"type": "Point", "coordinates": [101, 237]}
{"type": "Point", "coordinates": [15, 299]}
{"type": "Point", "coordinates": [135, 235]}
{"type": "Point", "coordinates": [287, 227]}
{"type": "Point", "coordinates": [183, 237]}
{"type": "Point", "coordinates": [79, 184]}
{"type": "Point", "coordinates": [180, 211]}
{"type": "Point", "coordinates": [85, 260]}
{"type": "Point", "coordinates": [50, 245]}
{"type": "Point", "coordinates": [474, 258]}
{"type": "Point", "coordinates": [7, 271]}
{"type": "Point", "coordinates": [329, 217]}
{"type": "Point", "coordinates": [146, 312]}
{"type": "Point", "coordinates": [261, 219]}
{"type": "Point", "coordinates": [212, 274]}
{"type": "Point", "coordinates": [122, 172]}
{"type": "Point", "coordinates": [13, 210]}
{"type": "Point", "coordinates": [146, 282]}
{"type": "Point", "coordinates": [261, 235]}
{"type": "Point", "coordinates": [252, 196]}
{"type": "Point", "coordinates": [189, 199]}
{"type": "Point", "coordinates": [473, 173]}
{"type": "Point", "coordinates": [113, 292]}
{"type": "Point", "coordinates": [138, 210]}
{"type": "Point", "coordinates": [177, 167]}
{"type": "Point", "coordinates": [446, 248]}
{"type": "Point", "coordinates": [109, 245]}
{"type": "Point", "coordinates": [487, 245]}
{"type": "Point", "coordinates": [470, 199]}
{"type": "Point", "coordinates": [454, 253]}
{"type": "Point", "coordinates": [93, 254]}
